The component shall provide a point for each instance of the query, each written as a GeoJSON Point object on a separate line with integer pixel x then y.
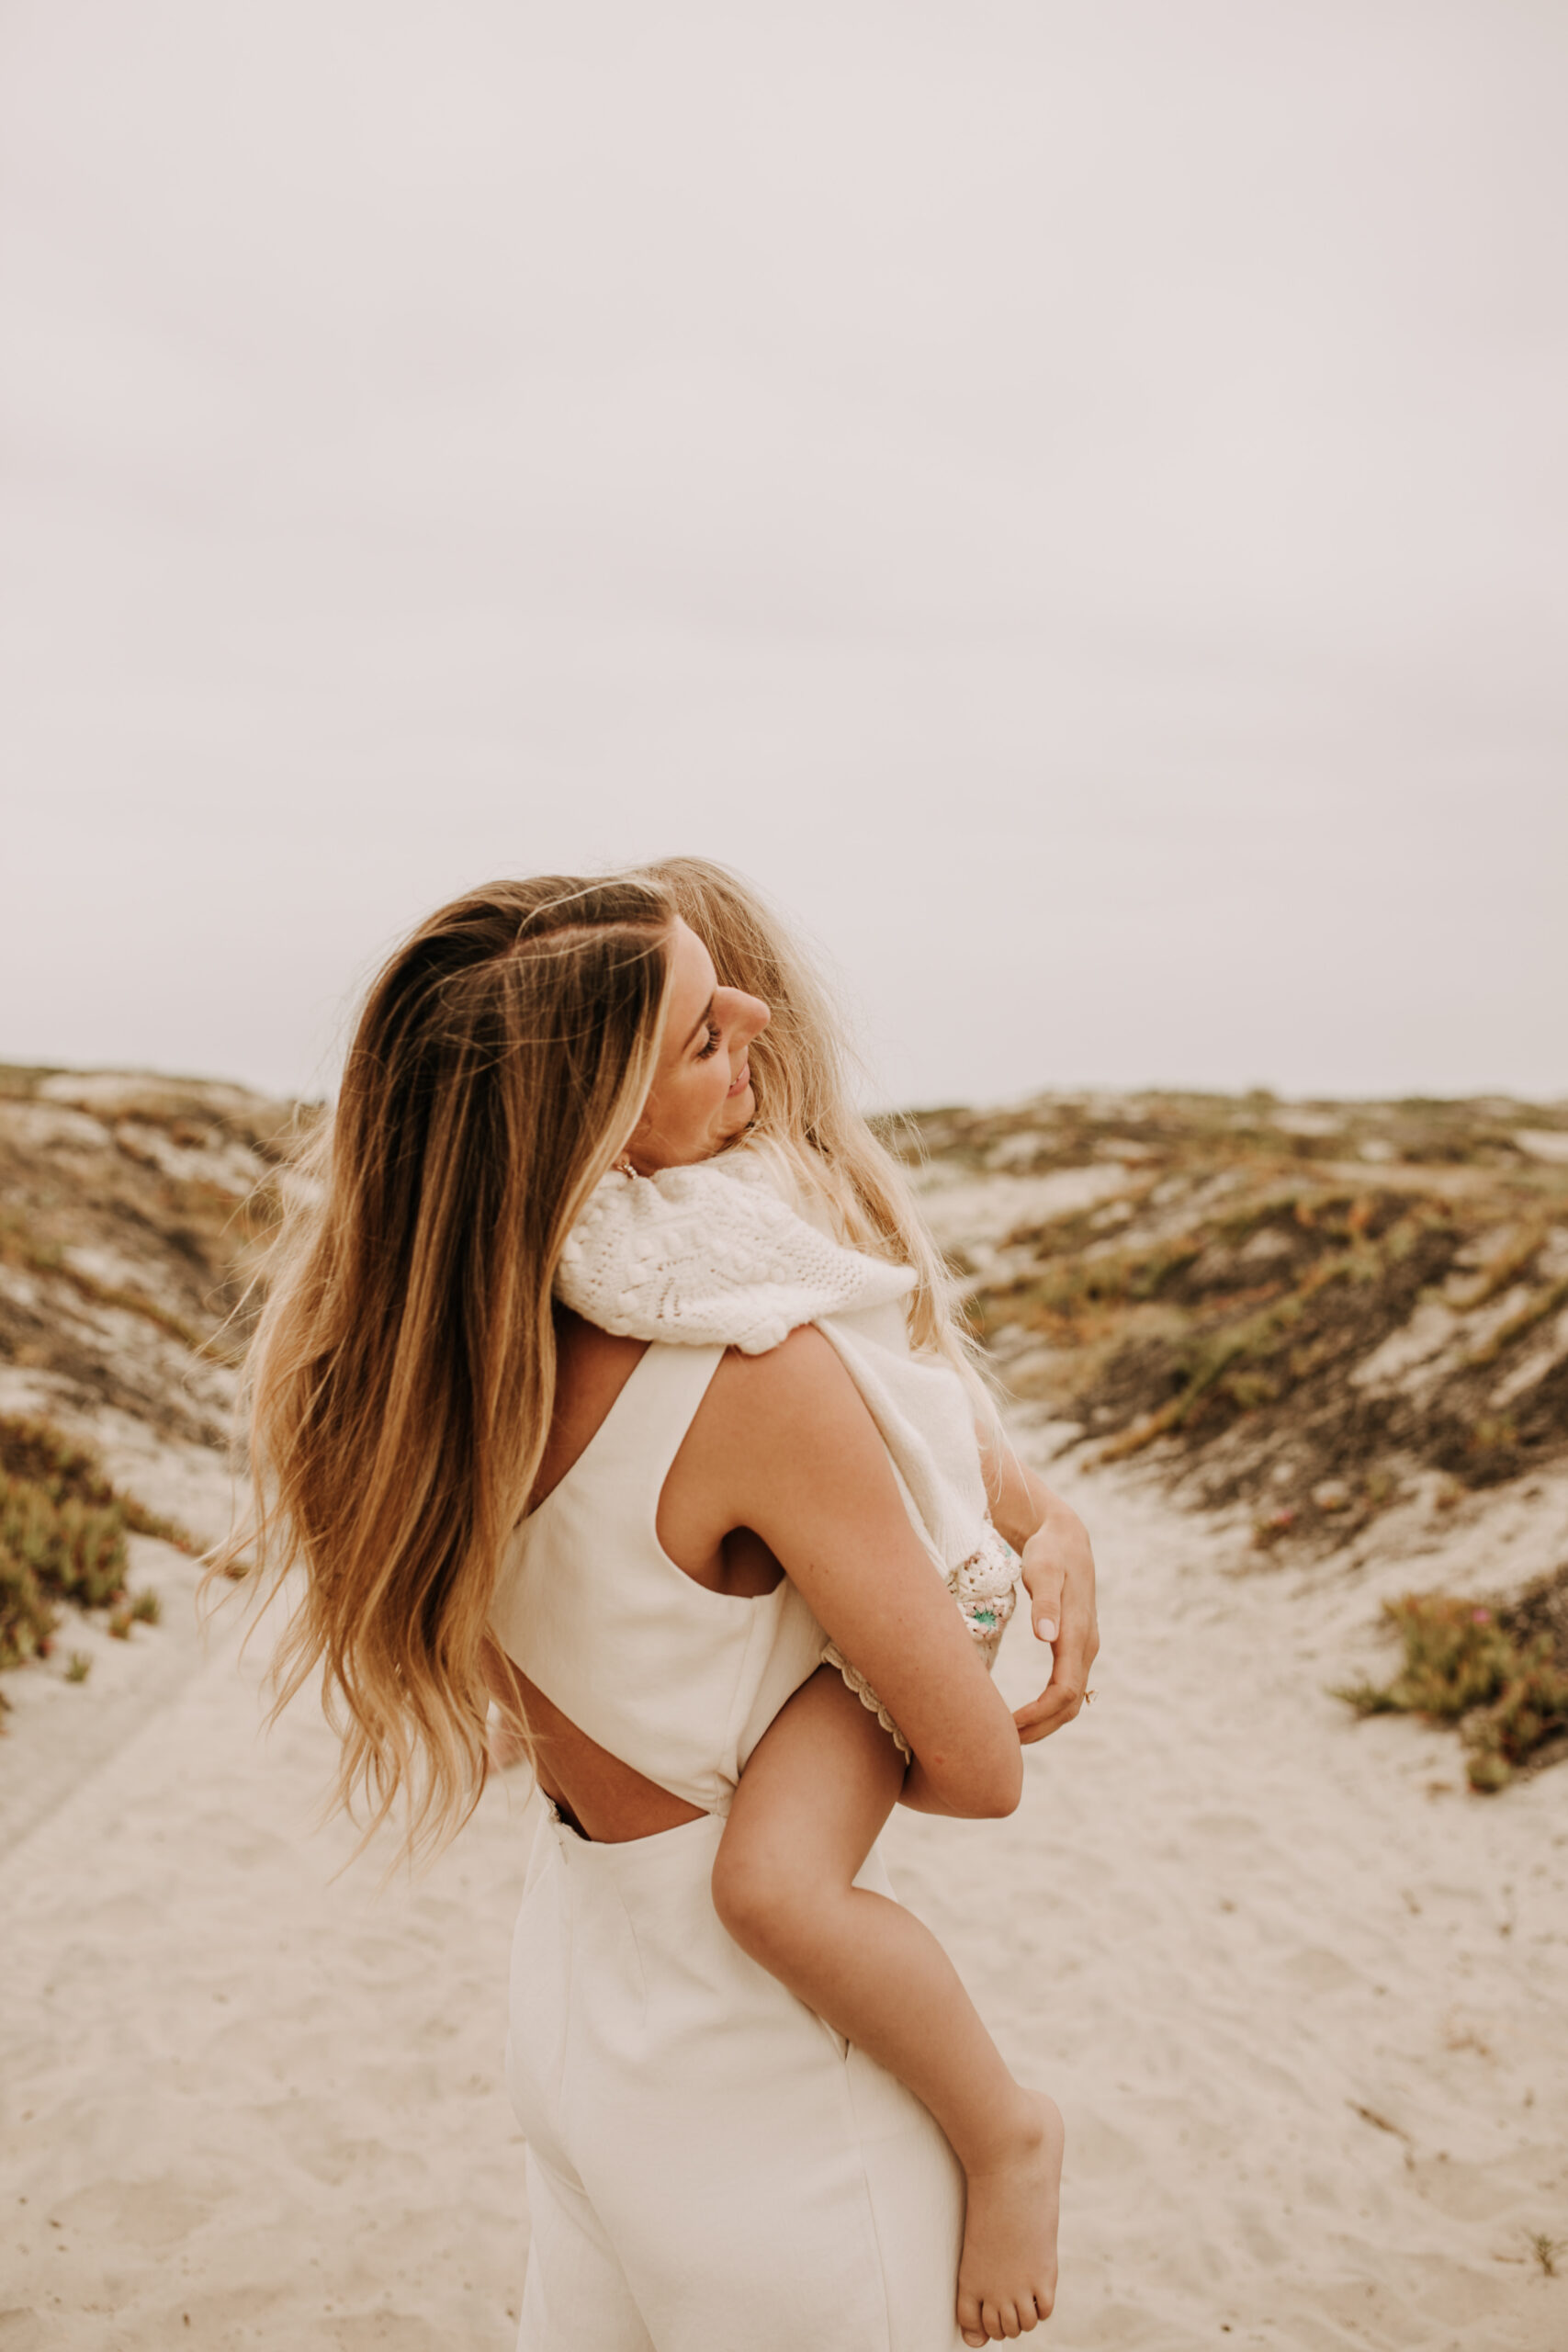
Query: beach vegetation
{"type": "Point", "coordinates": [63, 1526]}
{"type": "Point", "coordinates": [1303, 1317]}
{"type": "Point", "coordinates": [78, 1666]}
{"type": "Point", "coordinates": [26, 1617]}
{"type": "Point", "coordinates": [1546, 2250]}
{"type": "Point", "coordinates": [135, 1210]}
{"type": "Point", "coordinates": [1533, 1310]}
{"type": "Point", "coordinates": [20, 1246]}
{"type": "Point", "coordinates": [35, 1453]}
{"type": "Point", "coordinates": [1372, 1291]}
{"type": "Point", "coordinates": [1496, 1674]}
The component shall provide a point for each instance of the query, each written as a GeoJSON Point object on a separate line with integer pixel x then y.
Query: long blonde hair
{"type": "Point", "coordinates": [402, 1375]}
{"type": "Point", "coordinates": [805, 1114]}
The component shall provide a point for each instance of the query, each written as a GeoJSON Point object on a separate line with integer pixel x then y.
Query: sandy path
{"type": "Point", "coordinates": [1303, 2000]}
{"type": "Point", "coordinates": [247, 2106]}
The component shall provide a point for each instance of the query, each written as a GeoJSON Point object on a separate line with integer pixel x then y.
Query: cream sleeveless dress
{"type": "Point", "coordinates": [710, 2167]}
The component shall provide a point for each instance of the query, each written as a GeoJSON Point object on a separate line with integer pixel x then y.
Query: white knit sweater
{"type": "Point", "coordinates": [711, 1256]}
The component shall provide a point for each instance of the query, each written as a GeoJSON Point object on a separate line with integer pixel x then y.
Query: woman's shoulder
{"type": "Point", "coordinates": [773, 1411]}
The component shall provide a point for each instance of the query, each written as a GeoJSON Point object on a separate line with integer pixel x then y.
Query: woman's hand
{"type": "Point", "coordinates": [1058, 1577]}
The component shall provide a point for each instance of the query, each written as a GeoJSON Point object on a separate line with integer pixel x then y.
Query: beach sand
{"type": "Point", "coordinates": [1301, 1995]}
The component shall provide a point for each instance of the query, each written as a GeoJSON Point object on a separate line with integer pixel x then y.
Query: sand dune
{"type": "Point", "coordinates": [1301, 1995]}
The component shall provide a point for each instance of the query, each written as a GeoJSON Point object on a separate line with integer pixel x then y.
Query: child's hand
{"type": "Point", "coordinates": [1059, 1576]}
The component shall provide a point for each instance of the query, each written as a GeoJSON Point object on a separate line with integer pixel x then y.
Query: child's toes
{"type": "Point", "coordinates": [971, 2325]}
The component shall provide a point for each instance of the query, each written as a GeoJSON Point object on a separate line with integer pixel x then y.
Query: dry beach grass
{"type": "Point", "coordinates": [1298, 1989]}
{"type": "Point", "coordinates": [1342, 1320]}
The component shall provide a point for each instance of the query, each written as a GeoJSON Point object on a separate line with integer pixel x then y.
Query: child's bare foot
{"type": "Point", "coordinates": [1007, 2273]}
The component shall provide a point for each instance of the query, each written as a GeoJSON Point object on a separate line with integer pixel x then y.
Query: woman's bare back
{"type": "Point", "coordinates": [610, 1802]}
{"type": "Point", "coordinates": [783, 1470]}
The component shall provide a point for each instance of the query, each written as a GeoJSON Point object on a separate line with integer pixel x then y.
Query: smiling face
{"type": "Point", "coordinates": [701, 1097]}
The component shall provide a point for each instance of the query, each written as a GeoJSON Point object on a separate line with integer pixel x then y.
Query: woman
{"type": "Point", "coordinates": [660, 1543]}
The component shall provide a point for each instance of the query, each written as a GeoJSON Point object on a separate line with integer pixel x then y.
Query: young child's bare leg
{"type": "Point", "coordinates": [810, 1803]}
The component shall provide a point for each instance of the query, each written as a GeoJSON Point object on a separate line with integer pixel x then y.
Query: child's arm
{"type": "Point", "coordinates": [1059, 1576]}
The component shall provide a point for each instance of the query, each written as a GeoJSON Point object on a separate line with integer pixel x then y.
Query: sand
{"type": "Point", "coordinates": [1301, 1995]}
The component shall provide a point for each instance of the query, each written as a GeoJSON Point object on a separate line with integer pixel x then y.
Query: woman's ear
{"type": "Point", "coordinates": [641, 1134]}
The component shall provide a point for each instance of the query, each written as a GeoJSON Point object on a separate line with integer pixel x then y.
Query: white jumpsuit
{"type": "Point", "coordinates": [710, 2169]}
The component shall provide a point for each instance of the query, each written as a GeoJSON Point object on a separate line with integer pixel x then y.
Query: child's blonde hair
{"type": "Point", "coordinates": [805, 1114]}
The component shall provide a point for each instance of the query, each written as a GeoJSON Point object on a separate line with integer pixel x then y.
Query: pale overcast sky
{"type": "Point", "coordinates": [1072, 498]}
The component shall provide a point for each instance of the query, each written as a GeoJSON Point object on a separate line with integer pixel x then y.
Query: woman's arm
{"type": "Point", "coordinates": [789, 1450]}
{"type": "Point", "coordinates": [1058, 1575]}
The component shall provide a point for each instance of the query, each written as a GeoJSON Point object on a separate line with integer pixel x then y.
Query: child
{"type": "Point", "coordinates": [714, 1254]}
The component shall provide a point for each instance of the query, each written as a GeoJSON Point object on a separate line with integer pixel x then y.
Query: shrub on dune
{"type": "Point", "coordinates": [1466, 1665]}
{"type": "Point", "coordinates": [63, 1537]}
